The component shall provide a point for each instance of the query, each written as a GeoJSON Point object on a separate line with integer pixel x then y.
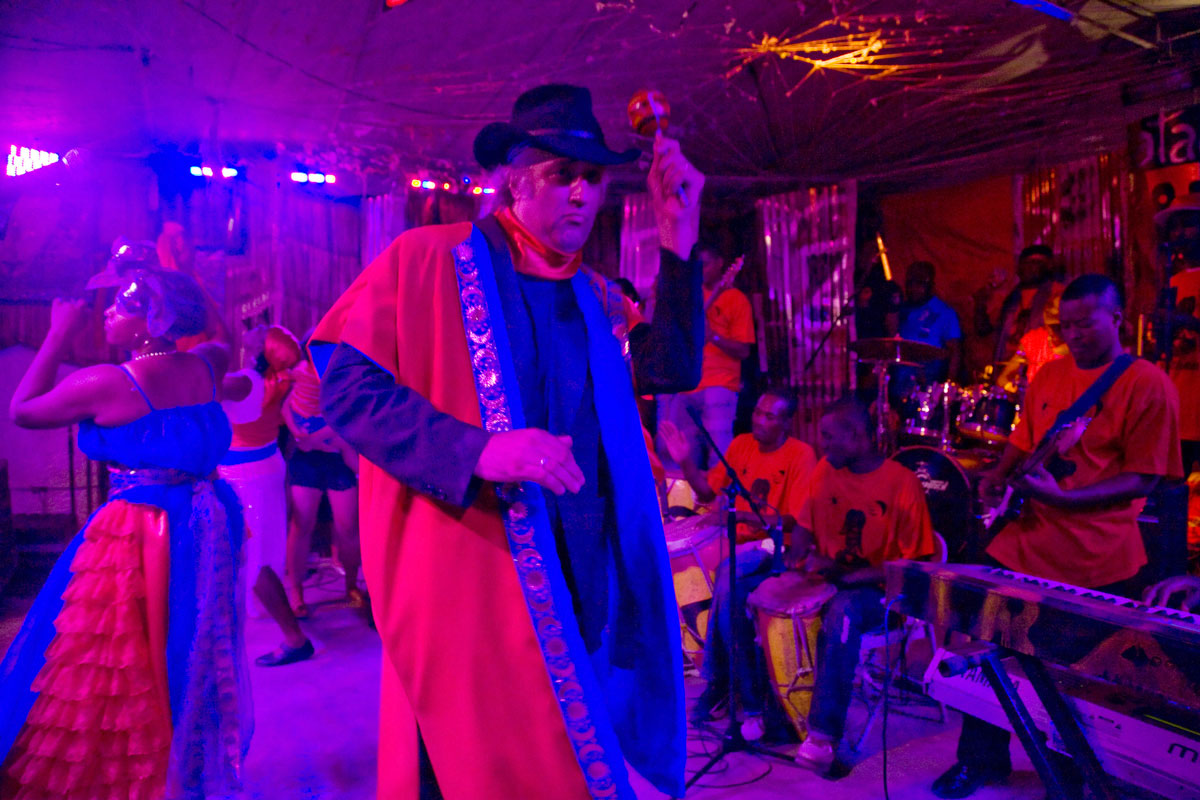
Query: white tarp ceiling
{"type": "Point", "coordinates": [762, 91]}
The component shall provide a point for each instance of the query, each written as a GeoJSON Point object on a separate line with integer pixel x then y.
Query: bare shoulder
{"type": "Point", "coordinates": [215, 355]}
{"type": "Point", "coordinates": [103, 378]}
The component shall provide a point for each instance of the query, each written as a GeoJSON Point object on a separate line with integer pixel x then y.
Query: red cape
{"type": "Point", "coordinates": [461, 657]}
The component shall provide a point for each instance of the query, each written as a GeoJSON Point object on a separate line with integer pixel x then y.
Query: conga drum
{"type": "Point", "coordinates": [787, 615]}
{"type": "Point", "coordinates": [694, 546]}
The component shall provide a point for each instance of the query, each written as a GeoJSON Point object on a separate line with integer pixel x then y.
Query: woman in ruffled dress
{"type": "Point", "coordinates": [127, 678]}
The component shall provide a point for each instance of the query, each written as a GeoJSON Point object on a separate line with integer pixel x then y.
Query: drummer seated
{"type": "Point", "coordinates": [775, 468]}
{"type": "Point", "coordinates": [862, 511]}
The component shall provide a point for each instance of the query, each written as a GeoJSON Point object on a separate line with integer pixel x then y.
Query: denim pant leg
{"type": "Point", "coordinates": [718, 407]}
{"type": "Point", "coordinates": [851, 613]}
{"type": "Point", "coordinates": [753, 567]}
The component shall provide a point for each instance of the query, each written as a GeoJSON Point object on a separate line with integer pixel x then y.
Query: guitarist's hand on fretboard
{"type": "Point", "coordinates": [1039, 484]}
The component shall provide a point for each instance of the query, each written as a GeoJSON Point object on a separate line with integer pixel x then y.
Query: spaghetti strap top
{"type": "Point", "coordinates": [142, 392]}
{"type": "Point", "coordinates": [212, 376]}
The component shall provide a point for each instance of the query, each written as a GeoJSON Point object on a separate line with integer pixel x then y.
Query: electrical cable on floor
{"type": "Point", "coordinates": [747, 782]}
{"type": "Point", "coordinates": [887, 681]}
{"type": "Point", "coordinates": [705, 736]}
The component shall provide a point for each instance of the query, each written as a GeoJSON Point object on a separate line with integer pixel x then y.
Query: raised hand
{"type": "Point", "coordinates": [677, 444]}
{"type": "Point", "coordinates": [675, 187]}
{"type": "Point", "coordinates": [530, 454]}
{"type": "Point", "coordinates": [67, 317]}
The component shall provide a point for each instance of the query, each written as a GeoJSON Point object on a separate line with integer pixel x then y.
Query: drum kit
{"type": "Point", "coordinates": [944, 433]}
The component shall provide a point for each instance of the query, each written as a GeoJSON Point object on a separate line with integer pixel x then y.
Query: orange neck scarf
{"type": "Point", "coordinates": [532, 257]}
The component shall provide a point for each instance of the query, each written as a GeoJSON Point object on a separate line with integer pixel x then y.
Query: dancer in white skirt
{"type": "Point", "coordinates": [253, 466]}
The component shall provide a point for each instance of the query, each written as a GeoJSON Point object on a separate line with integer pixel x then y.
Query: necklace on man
{"type": "Point", "coordinates": [152, 355]}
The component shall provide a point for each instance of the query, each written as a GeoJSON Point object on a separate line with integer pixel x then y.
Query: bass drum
{"type": "Point", "coordinates": [948, 494]}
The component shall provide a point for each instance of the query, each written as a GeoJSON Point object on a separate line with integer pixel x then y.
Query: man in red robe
{"type": "Point", "coordinates": [511, 535]}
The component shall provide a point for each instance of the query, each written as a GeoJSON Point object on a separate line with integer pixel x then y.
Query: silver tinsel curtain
{"type": "Point", "coordinates": [807, 240]}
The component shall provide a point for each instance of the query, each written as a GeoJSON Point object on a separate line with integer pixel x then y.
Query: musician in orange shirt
{"type": "Point", "coordinates": [1080, 527]}
{"type": "Point", "coordinates": [775, 468]}
{"type": "Point", "coordinates": [728, 338]}
{"type": "Point", "coordinates": [862, 511]}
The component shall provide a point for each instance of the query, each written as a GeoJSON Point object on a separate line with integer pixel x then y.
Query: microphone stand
{"type": "Point", "coordinates": [733, 741]}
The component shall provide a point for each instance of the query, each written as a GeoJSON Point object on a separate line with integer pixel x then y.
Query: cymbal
{"type": "Point", "coordinates": [897, 351]}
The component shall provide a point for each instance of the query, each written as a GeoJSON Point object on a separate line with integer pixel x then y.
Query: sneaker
{"type": "Point", "coordinates": [753, 728]}
{"type": "Point", "coordinates": [815, 754]}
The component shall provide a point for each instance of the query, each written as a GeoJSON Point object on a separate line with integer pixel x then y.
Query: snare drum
{"type": "Point", "coordinates": [694, 546]}
{"type": "Point", "coordinates": [988, 413]}
{"type": "Point", "coordinates": [787, 616]}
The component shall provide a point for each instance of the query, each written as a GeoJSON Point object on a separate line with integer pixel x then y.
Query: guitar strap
{"type": "Point", "coordinates": [1089, 398]}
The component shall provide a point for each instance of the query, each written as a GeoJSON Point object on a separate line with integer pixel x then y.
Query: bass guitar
{"type": "Point", "coordinates": [1056, 443]}
{"type": "Point", "coordinates": [725, 281]}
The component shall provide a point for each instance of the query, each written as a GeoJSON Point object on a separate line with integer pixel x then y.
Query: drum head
{"type": "Point", "coordinates": [791, 594]}
{"type": "Point", "coordinates": [947, 494]}
{"type": "Point", "coordinates": [693, 532]}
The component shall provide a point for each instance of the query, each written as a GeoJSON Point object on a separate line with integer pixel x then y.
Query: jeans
{"type": "Point", "coordinates": [753, 567]}
{"type": "Point", "coordinates": [717, 407]}
{"type": "Point", "coordinates": [851, 613]}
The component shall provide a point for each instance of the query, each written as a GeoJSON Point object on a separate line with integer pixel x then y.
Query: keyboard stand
{"type": "Point", "coordinates": [987, 657]}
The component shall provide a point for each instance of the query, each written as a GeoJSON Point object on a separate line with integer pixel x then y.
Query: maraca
{"type": "Point", "coordinates": [649, 112]}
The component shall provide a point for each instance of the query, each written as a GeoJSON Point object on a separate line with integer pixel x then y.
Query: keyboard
{"type": "Point", "coordinates": [1101, 636]}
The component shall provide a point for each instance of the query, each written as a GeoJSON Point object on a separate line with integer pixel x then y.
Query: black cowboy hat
{"type": "Point", "coordinates": [557, 118]}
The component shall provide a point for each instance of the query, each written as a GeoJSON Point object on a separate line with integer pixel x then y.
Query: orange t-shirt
{"type": "Point", "coordinates": [780, 476]}
{"type": "Point", "coordinates": [1136, 430]}
{"type": "Point", "coordinates": [264, 430]}
{"type": "Point", "coordinates": [1024, 313]}
{"type": "Point", "coordinates": [878, 515]}
{"type": "Point", "coordinates": [729, 317]}
{"type": "Point", "coordinates": [1039, 348]}
{"type": "Point", "coordinates": [1185, 361]}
